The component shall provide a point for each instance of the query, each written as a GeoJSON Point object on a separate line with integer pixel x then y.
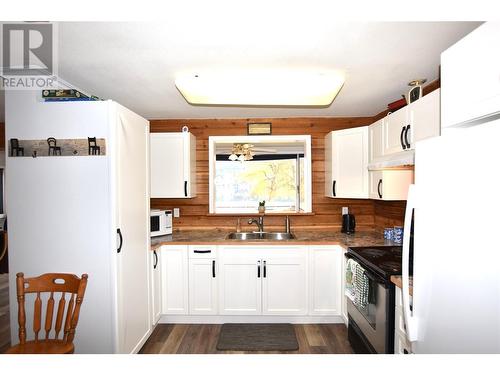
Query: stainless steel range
{"type": "Point", "coordinates": [371, 324]}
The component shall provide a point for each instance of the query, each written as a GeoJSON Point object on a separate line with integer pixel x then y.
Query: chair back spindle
{"type": "Point", "coordinates": [66, 317]}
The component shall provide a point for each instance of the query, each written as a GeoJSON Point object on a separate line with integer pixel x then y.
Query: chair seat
{"type": "Point", "coordinates": [42, 347]}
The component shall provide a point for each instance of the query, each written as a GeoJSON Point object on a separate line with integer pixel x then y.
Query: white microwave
{"type": "Point", "coordinates": [161, 222]}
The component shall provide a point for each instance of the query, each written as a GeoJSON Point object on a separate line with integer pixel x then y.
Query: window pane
{"type": "Point", "coordinates": [239, 186]}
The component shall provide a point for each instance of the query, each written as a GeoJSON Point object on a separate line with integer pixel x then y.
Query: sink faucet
{"type": "Point", "coordinates": [259, 222]}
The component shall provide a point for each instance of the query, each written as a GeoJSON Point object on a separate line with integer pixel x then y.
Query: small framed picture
{"type": "Point", "coordinates": [259, 128]}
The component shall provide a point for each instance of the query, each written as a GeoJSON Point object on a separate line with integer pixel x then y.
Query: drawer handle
{"type": "Point", "coordinates": [202, 251]}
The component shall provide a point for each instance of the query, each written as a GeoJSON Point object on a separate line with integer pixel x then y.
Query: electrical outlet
{"type": "Point", "coordinates": [177, 212]}
{"type": "Point", "coordinates": [345, 210]}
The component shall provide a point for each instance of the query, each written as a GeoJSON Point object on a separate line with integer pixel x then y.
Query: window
{"type": "Point", "coordinates": [277, 172]}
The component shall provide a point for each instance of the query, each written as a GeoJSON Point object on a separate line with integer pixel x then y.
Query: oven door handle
{"type": "Point", "coordinates": [370, 275]}
{"type": "Point", "coordinates": [409, 318]}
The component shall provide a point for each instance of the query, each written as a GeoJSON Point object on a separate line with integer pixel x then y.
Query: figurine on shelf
{"type": "Point", "coordinates": [262, 207]}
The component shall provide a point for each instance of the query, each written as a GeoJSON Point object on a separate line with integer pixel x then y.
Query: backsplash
{"type": "Point", "coordinates": [327, 211]}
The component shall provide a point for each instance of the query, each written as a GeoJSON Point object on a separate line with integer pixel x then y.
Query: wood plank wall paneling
{"type": "Point", "coordinates": [388, 214]}
{"type": "Point", "coordinates": [327, 211]}
{"type": "Point", "coordinates": [369, 214]}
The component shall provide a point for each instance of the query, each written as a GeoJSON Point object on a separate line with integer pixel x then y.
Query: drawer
{"type": "Point", "coordinates": [202, 251]}
{"type": "Point", "coordinates": [401, 345]}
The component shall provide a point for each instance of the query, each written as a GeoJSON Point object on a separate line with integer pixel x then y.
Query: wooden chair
{"type": "Point", "coordinates": [62, 283]}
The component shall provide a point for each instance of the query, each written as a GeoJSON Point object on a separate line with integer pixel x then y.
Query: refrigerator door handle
{"type": "Point", "coordinates": [410, 321]}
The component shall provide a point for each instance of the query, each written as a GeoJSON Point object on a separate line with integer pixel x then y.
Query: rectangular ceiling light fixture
{"type": "Point", "coordinates": [261, 88]}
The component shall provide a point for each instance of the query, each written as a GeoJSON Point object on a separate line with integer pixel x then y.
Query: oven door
{"type": "Point", "coordinates": [375, 321]}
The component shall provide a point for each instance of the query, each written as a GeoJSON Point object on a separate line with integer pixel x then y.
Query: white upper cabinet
{"type": "Point", "coordinates": [395, 130]}
{"type": "Point", "coordinates": [346, 163]}
{"type": "Point", "coordinates": [376, 136]}
{"type": "Point", "coordinates": [470, 77]}
{"type": "Point", "coordinates": [424, 118]}
{"type": "Point", "coordinates": [390, 184]}
{"type": "Point", "coordinates": [173, 165]}
{"type": "Point", "coordinates": [415, 122]}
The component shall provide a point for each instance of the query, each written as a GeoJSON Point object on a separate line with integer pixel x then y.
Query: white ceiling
{"type": "Point", "coordinates": [136, 63]}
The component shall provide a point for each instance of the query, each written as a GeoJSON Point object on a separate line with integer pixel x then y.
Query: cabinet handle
{"type": "Point", "coordinates": [185, 188]}
{"type": "Point", "coordinates": [203, 251]}
{"type": "Point", "coordinates": [119, 250]}
{"type": "Point", "coordinates": [258, 269]}
{"type": "Point", "coordinates": [213, 269]}
{"type": "Point", "coordinates": [408, 145]}
{"type": "Point", "coordinates": [156, 260]}
{"type": "Point", "coordinates": [378, 188]}
{"type": "Point", "coordinates": [401, 137]}
{"type": "Point", "coordinates": [265, 270]}
{"type": "Point", "coordinates": [334, 184]}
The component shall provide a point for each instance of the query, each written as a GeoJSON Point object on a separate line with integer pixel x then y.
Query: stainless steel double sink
{"type": "Point", "coordinates": [267, 236]}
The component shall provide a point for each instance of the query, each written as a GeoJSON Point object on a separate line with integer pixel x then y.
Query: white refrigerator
{"type": "Point", "coordinates": [455, 203]}
{"type": "Point", "coordinates": [65, 213]}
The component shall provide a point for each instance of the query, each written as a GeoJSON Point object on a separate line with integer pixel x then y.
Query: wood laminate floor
{"type": "Point", "coordinates": [4, 313]}
{"type": "Point", "coordinates": [202, 339]}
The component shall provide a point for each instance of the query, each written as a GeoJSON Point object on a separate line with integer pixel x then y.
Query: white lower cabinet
{"type": "Point", "coordinates": [174, 279]}
{"type": "Point", "coordinates": [202, 280]}
{"type": "Point", "coordinates": [240, 286]}
{"type": "Point", "coordinates": [156, 286]}
{"type": "Point", "coordinates": [284, 283]}
{"type": "Point", "coordinates": [401, 344]}
{"type": "Point", "coordinates": [325, 280]}
{"type": "Point", "coordinates": [273, 281]}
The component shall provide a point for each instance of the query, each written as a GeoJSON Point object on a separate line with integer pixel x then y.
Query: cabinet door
{"type": "Point", "coordinates": [167, 165]}
{"type": "Point", "coordinates": [376, 184]}
{"type": "Point", "coordinates": [174, 276]}
{"type": "Point", "coordinates": [202, 286]}
{"type": "Point", "coordinates": [424, 118]}
{"type": "Point", "coordinates": [240, 278]}
{"type": "Point", "coordinates": [470, 76]}
{"type": "Point", "coordinates": [284, 283]}
{"type": "Point", "coordinates": [394, 128]}
{"type": "Point", "coordinates": [132, 209]}
{"type": "Point", "coordinates": [350, 163]}
{"type": "Point", "coordinates": [156, 285]}
{"type": "Point", "coordinates": [325, 280]}
{"type": "Point", "coordinates": [376, 140]}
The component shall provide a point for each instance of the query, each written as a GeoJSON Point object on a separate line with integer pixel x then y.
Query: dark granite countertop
{"type": "Point", "coordinates": [218, 237]}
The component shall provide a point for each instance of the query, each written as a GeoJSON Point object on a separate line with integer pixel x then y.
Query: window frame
{"type": "Point", "coordinates": [260, 140]}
